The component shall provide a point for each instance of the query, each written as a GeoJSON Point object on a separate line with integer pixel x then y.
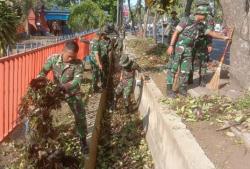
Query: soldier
{"type": "Point", "coordinates": [96, 60]}
{"type": "Point", "coordinates": [104, 45]}
{"type": "Point", "coordinates": [126, 81]}
{"type": "Point", "coordinates": [68, 75]}
{"type": "Point", "coordinates": [187, 31]}
{"type": "Point", "coordinates": [171, 24]}
{"type": "Point", "coordinates": [203, 46]}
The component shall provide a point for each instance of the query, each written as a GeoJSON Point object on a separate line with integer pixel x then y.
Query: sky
{"type": "Point", "coordinates": [133, 2]}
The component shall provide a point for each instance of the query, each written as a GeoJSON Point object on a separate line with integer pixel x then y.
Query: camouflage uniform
{"type": "Point", "coordinates": [200, 52]}
{"type": "Point", "coordinates": [189, 30]}
{"type": "Point", "coordinates": [172, 23]}
{"type": "Point", "coordinates": [105, 61]}
{"type": "Point", "coordinates": [125, 85]}
{"type": "Point", "coordinates": [95, 49]}
{"type": "Point", "coordinates": [70, 76]}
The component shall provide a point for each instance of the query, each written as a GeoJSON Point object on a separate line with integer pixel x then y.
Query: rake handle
{"type": "Point", "coordinates": [226, 48]}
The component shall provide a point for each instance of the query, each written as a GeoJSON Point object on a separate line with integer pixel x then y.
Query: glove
{"type": "Point", "coordinates": [60, 88]}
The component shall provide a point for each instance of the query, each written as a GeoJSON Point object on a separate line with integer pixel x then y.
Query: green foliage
{"type": "Point", "coordinates": [161, 6]}
{"type": "Point", "coordinates": [8, 24]}
{"type": "Point", "coordinates": [87, 15]}
{"type": "Point", "coordinates": [59, 3]}
{"type": "Point", "coordinates": [109, 6]}
{"type": "Point", "coordinates": [244, 102]}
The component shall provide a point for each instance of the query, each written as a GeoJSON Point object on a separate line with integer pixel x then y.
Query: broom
{"type": "Point", "coordinates": [176, 79]}
{"type": "Point", "coordinates": [215, 81]}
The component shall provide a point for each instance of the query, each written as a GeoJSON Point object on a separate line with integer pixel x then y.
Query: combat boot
{"type": "Point", "coordinates": [190, 78]}
{"type": "Point", "coordinates": [127, 109]}
{"type": "Point", "coordinates": [202, 82]}
{"type": "Point", "coordinates": [183, 91]}
{"type": "Point", "coordinates": [170, 92]}
{"type": "Point", "coordinates": [84, 147]}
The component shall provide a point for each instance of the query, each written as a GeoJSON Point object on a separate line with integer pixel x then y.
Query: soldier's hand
{"type": "Point", "coordinates": [100, 67]}
{"type": "Point", "coordinates": [227, 38]}
{"type": "Point", "coordinates": [170, 50]}
{"type": "Point", "coordinates": [60, 88]}
{"type": "Point", "coordinates": [210, 49]}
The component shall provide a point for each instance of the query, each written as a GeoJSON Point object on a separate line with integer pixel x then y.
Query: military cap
{"type": "Point", "coordinates": [124, 60]}
{"type": "Point", "coordinates": [202, 10]}
{"type": "Point", "coordinates": [202, 3]}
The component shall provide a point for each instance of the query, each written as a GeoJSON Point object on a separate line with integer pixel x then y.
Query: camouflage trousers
{"type": "Point", "coordinates": [96, 75]}
{"type": "Point", "coordinates": [78, 108]}
{"type": "Point", "coordinates": [125, 88]}
{"type": "Point", "coordinates": [104, 73]}
{"type": "Point", "coordinates": [181, 59]}
{"type": "Point", "coordinates": [202, 55]}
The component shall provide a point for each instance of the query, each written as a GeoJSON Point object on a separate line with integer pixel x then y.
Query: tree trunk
{"type": "Point", "coordinates": [131, 15]}
{"type": "Point", "coordinates": [155, 26]}
{"type": "Point", "coordinates": [146, 22]}
{"type": "Point", "coordinates": [237, 15]}
{"type": "Point", "coordinates": [188, 7]}
{"type": "Point", "coordinates": [138, 13]}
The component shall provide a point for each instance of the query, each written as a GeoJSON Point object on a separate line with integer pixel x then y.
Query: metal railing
{"type": "Point", "coordinates": [17, 70]}
{"type": "Point", "coordinates": [40, 41]}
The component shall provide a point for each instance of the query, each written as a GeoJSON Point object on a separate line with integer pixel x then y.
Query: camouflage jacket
{"type": "Point", "coordinates": [69, 75]}
{"type": "Point", "coordinates": [190, 30]}
{"type": "Point", "coordinates": [203, 41]}
{"type": "Point", "coordinates": [129, 72]}
{"type": "Point", "coordinates": [99, 47]}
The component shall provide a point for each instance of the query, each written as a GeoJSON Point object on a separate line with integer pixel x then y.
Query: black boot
{"type": "Point", "coordinates": [183, 91]}
{"type": "Point", "coordinates": [170, 92]}
{"type": "Point", "coordinates": [127, 109]}
{"type": "Point", "coordinates": [190, 78]}
{"type": "Point", "coordinates": [202, 82]}
{"type": "Point", "coordinates": [84, 146]}
{"type": "Point", "coordinates": [113, 105]}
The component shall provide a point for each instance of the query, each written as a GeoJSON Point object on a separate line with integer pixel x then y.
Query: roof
{"type": "Point", "coordinates": [62, 15]}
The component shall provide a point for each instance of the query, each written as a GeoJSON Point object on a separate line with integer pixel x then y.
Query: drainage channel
{"type": "Point", "coordinates": [122, 141]}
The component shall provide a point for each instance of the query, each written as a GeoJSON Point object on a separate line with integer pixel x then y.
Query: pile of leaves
{"type": "Point", "coordinates": [217, 108]}
{"type": "Point", "coordinates": [122, 143]}
{"type": "Point", "coordinates": [46, 147]}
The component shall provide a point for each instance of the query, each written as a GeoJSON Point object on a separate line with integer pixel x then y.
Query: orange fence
{"type": "Point", "coordinates": [15, 74]}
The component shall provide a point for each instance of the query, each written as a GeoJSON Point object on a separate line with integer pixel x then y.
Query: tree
{"type": "Point", "coordinates": [8, 25]}
{"type": "Point", "coordinates": [131, 15]}
{"type": "Point", "coordinates": [188, 7]}
{"type": "Point", "coordinates": [109, 6]}
{"type": "Point", "coordinates": [85, 16]}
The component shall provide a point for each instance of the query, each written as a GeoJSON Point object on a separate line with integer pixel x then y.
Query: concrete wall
{"type": "Point", "coordinates": [237, 14]}
{"type": "Point", "coordinates": [171, 144]}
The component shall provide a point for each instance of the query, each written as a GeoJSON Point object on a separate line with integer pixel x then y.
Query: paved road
{"type": "Point", "coordinates": [218, 47]}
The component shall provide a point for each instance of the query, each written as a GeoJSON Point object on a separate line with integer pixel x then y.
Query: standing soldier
{"type": "Point", "coordinates": [68, 75]}
{"type": "Point", "coordinates": [171, 24]}
{"type": "Point", "coordinates": [180, 48]}
{"type": "Point", "coordinates": [203, 46]}
{"type": "Point", "coordinates": [96, 60]}
{"type": "Point", "coordinates": [104, 44]}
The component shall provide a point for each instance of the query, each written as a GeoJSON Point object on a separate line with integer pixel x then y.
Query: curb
{"type": "Point", "coordinates": [172, 145]}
